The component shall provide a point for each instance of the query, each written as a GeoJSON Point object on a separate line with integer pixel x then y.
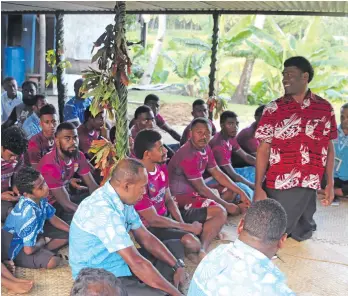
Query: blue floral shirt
{"type": "Point", "coordinates": [74, 109]}
{"type": "Point", "coordinates": [237, 269]}
{"type": "Point", "coordinates": [31, 126]}
{"type": "Point", "coordinates": [99, 230]}
{"type": "Point", "coordinates": [341, 155]}
{"type": "Point", "coordinates": [26, 222]}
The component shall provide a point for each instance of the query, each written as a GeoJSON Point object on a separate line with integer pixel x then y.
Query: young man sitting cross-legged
{"type": "Point", "coordinates": [157, 208]}
{"type": "Point", "coordinates": [186, 171]}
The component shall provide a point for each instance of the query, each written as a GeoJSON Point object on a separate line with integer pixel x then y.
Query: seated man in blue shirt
{"type": "Point", "coordinates": [26, 246]}
{"type": "Point", "coordinates": [341, 159]}
{"type": "Point", "coordinates": [245, 267]}
{"type": "Point", "coordinates": [31, 125]}
{"type": "Point", "coordinates": [99, 236]}
{"type": "Point", "coordinates": [74, 109]}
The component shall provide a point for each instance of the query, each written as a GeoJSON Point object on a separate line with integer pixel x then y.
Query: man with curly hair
{"type": "Point", "coordinates": [13, 145]}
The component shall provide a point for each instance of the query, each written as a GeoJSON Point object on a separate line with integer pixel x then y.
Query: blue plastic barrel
{"type": "Point", "coordinates": [15, 63]}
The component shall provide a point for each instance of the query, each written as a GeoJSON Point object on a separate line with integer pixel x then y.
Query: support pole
{"type": "Point", "coordinates": [122, 91]}
{"type": "Point", "coordinates": [42, 52]}
{"type": "Point", "coordinates": [214, 50]}
{"type": "Point", "coordinates": [61, 85]}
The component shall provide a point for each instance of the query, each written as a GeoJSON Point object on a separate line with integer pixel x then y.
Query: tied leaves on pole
{"type": "Point", "coordinates": [108, 87]}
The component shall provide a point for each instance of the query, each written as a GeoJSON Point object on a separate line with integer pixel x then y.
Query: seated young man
{"type": "Point", "coordinates": [25, 224]}
{"type": "Point", "coordinates": [60, 165]}
{"type": "Point", "coordinates": [199, 110]}
{"type": "Point", "coordinates": [152, 101]}
{"type": "Point", "coordinates": [74, 109]}
{"type": "Point", "coordinates": [10, 98]}
{"type": "Point", "coordinates": [43, 142]}
{"type": "Point", "coordinates": [186, 170]}
{"type": "Point", "coordinates": [244, 267]}
{"type": "Point", "coordinates": [224, 145]}
{"type": "Point", "coordinates": [31, 125]}
{"type": "Point", "coordinates": [246, 139]}
{"type": "Point", "coordinates": [99, 237]}
{"type": "Point", "coordinates": [22, 111]}
{"type": "Point", "coordinates": [89, 131]}
{"type": "Point", "coordinates": [13, 146]}
{"type": "Point", "coordinates": [341, 158]}
{"type": "Point", "coordinates": [157, 208]}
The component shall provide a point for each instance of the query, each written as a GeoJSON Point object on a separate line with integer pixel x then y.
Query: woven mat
{"type": "Point", "coordinates": [316, 267]}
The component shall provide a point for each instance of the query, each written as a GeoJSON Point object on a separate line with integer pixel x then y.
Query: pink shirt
{"type": "Point", "coordinates": [57, 173]}
{"type": "Point", "coordinates": [155, 193]}
{"type": "Point", "coordinates": [246, 139]}
{"type": "Point", "coordinates": [223, 149]}
{"type": "Point", "coordinates": [86, 138]}
{"type": "Point", "coordinates": [7, 171]}
{"type": "Point", "coordinates": [186, 134]}
{"type": "Point", "coordinates": [38, 146]}
{"type": "Point", "coordinates": [160, 120]}
{"type": "Point", "coordinates": [188, 163]}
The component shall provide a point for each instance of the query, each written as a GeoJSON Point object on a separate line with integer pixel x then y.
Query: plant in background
{"type": "Point", "coordinates": [51, 77]}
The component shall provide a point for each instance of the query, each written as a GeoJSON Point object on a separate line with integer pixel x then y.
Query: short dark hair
{"type": "Point", "coordinates": [266, 220]}
{"type": "Point", "coordinates": [142, 109]}
{"type": "Point", "coordinates": [200, 120]}
{"type": "Point", "coordinates": [14, 140]}
{"type": "Point", "coordinates": [8, 79]}
{"type": "Point", "coordinates": [259, 110]}
{"type": "Point", "coordinates": [48, 109]}
{"type": "Point", "coordinates": [301, 63]}
{"type": "Point", "coordinates": [78, 81]}
{"type": "Point", "coordinates": [24, 179]}
{"type": "Point", "coordinates": [151, 97]}
{"type": "Point", "coordinates": [89, 278]}
{"type": "Point", "coordinates": [127, 170]}
{"type": "Point", "coordinates": [64, 126]}
{"type": "Point", "coordinates": [198, 102]}
{"type": "Point", "coordinates": [37, 98]}
{"type": "Point", "coordinates": [227, 114]}
{"type": "Point", "coordinates": [28, 82]}
{"type": "Point", "coordinates": [345, 106]}
{"type": "Point", "coordinates": [144, 141]}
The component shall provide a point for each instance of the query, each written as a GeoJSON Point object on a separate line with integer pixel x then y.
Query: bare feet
{"type": "Point", "coordinates": [21, 288]}
{"type": "Point", "coordinates": [193, 257]}
{"type": "Point", "coordinates": [10, 266]}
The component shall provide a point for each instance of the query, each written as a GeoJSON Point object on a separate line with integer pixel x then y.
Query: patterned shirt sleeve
{"type": "Point", "coordinates": [265, 129]}
{"type": "Point", "coordinates": [28, 229]}
{"type": "Point", "coordinates": [83, 165]}
{"type": "Point", "coordinates": [134, 219]}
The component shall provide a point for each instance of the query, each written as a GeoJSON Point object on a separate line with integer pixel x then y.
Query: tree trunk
{"type": "Point", "coordinates": [42, 52]}
{"type": "Point", "coordinates": [146, 79]}
{"type": "Point", "coordinates": [240, 96]}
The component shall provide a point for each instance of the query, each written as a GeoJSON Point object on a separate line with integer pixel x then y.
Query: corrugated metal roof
{"type": "Point", "coordinates": [335, 8]}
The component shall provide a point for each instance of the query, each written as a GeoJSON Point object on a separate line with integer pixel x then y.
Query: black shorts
{"type": "Point", "coordinates": [39, 259]}
{"type": "Point", "coordinates": [164, 234]}
{"type": "Point", "coordinates": [341, 184]}
{"type": "Point", "coordinates": [193, 215]}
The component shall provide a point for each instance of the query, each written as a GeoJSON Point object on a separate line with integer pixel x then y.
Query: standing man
{"type": "Point", "coordinates": [296, 149]}
{"type": "Point", "coordinates": [199, 109]}
{"type": "Point", "coordinates": [31, 125]}
{"type": "Point", "coordinates": [99, 236]}
{"type": "Point", "coordinates": [74, 109]}
{"type": "Point", "coordinates": [10, 98]}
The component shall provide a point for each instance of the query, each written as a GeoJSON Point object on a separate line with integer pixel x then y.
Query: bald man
{"type": "Point", "coordinates": [99, 237]}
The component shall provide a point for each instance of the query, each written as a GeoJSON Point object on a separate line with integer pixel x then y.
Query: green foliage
{"type": "Point", "coordinates": [51, 77]}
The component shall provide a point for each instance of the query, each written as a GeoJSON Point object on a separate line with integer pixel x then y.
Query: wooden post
{"type": "Point", "coordinates": [61, 85]}
{"type": "Point", "coordinates": [214, 50]}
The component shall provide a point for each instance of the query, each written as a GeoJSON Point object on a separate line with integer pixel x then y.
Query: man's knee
{"type": "Point", "coordinates": [217, 211]}
{"type": "Point", "coordinates": [53, 263]}
{"type": "Point", "coordinates": [191, 242]}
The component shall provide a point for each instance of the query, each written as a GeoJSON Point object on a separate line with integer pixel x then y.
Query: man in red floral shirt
{"type": "Point", "coordinates": [296, 149]}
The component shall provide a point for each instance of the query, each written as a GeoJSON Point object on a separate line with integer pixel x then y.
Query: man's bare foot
{"type": "Point", "coordinates": [193, 257]}
{"type": "Point", "coordinates": [10, 266]}
{"type": "Point", "coordinates": [21, 288]}
{"type": "Point", "coordinates": [23, 281]}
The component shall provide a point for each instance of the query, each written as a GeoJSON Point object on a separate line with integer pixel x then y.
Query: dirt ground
{"type": "Point", "coordinates": [176, 114]}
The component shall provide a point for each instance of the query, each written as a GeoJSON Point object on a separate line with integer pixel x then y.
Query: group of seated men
{"type": "Point", "coordinates": [174, 208]}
